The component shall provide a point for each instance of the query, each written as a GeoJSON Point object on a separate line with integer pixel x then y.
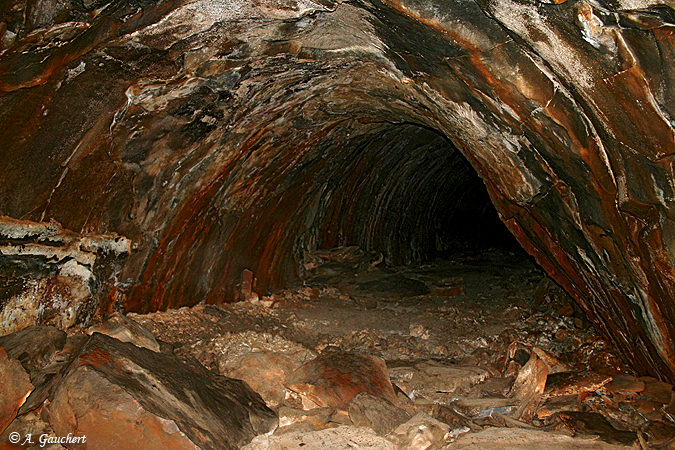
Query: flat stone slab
{"type": "Point", "coordinates": [126, 330]}
{"type": "Point", "coordinates": [339, 438]}
{"type": "Point", "coordinates": [436, 381]}
{"type": "Point", "coordinates": [523, 439]}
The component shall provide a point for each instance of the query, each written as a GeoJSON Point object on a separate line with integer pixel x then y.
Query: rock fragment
{"type": "Point", "coordinates": [658, 391]}
{"type": "Point", "coordinates": [623, 384]}
{"type": "Point", "coordinates": [118, 394]}
{"type": "Point", "coordinates": [15, 387]}
{"type": "Point", "coordinates": [265, 373]}
{"type": "Point", "coordinates": [529, 387]}
{"type": "Point", "coordinates": [595, 424]}
{"type": "Point", "coordinates": [34, 346]}
{"type": "Point", "coordinates": [580, 383]}
{"type": "Point", "coordinates": [421, 432]}
{"type": "Point", "coordinates": [125, 329]}
{"type": "Point", "coordinates": [366, 410]}
{"type": "Point", "coordinates": [436, 381]}
{"type": "Point", "coordinates": [334, 379]}
{"type": "Point", "coordinates": [317, 418]}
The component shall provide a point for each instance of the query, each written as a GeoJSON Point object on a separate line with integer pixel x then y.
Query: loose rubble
{"type": "Point", "coordinates": [322, 368]}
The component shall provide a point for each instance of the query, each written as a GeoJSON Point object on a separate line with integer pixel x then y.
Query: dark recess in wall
{"type": "Point", "coordinates": [406, 191]}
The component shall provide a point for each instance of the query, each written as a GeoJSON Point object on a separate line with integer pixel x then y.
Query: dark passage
{"type": "Point", "coordinates": [407, 192]}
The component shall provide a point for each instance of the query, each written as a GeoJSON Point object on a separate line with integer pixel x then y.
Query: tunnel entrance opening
{"type": "Point", "coordinates": [410, 194]}
{"type": "Point", "coordinates": [406, 215]}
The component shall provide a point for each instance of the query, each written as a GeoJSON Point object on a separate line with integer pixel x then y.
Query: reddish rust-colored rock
{"type": "Point", "coordinates": [626, 383]}
{"type": "Point", "coordinates": [580, 383]}
{"type": "Point", "coordinates": [529, 387]}
{"type": "Point", "coordinates": [265, 373]}
{"type": "Point", "coordinates": [118, 394]}
{"type": "Point", "coordinates": [223, 136]}
{"type": "Point", "coordinates": [14, 388]}
{"type": "Point", "coordinates": [334, 379]}
{"type": "Point", "coordinates": [87, 404]}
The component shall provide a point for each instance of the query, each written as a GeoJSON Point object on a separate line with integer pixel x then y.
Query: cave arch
{"type": "Point", "coordinates": [175, 124]}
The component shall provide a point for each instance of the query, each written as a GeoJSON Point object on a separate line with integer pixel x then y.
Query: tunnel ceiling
{"type": "Point", "coordinates": [218, 136]}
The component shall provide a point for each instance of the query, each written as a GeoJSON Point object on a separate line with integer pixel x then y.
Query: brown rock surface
{"type": "Point", "coordinates": [14, 388]}
{"type": "Point", "coordinates": [625, 384]}
{"type": "Point", "coordinates": [334, 379]}
{"type": "Point", "coordinates": [658, 391]}
{"type": "Point", "coordinates": [266, 373]}
{"type": "Point", "coordinates": [529, 387]}
{"type": "Point", "coordinates": [316, 418]}
{"type": "Point", "coordinates": [595, 424]}
{"type": "Point", "coordinates": [118, 394]}
{"type": "Point", "coordinates": [122, 328]}
{"type": "Point", "coordinates": [366, 410]}
{"type": "Point", "coordinates": [218, 138]}
{"type": "Point", "coordinates": [522, 439]}
{"type": "Point", "coordinates": [434, 380]}
{"type": "Point", "coordinates": [44, 352]}
{"type": "Point", "coordinates": [34, 346]}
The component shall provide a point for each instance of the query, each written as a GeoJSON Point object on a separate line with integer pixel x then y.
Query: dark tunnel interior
{"type": "Point", "coordinates": [407, 192]}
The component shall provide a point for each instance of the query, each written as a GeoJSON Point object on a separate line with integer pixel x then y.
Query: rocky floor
{"type": "Point", "coordinates": [477, 351]}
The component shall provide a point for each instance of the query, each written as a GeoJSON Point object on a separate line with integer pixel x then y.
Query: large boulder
{"type": "Point", "coordinates": [335, 378]}
{"type": "Point", "coordinates": [119, 395]}
{"type": "Point", "coordinates": [14, 388]}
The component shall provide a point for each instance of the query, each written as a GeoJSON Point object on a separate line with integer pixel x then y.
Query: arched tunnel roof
{"type": "Point", "coordinates": [219, 136]}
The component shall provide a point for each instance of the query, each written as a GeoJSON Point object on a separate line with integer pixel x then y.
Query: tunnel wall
{"type": "Point", "coordinates": [198, 130]}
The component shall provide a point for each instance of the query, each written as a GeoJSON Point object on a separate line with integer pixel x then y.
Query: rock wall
{"type": "Point", "coordinates": [216, 135]}
{"type": "Point", "coordinates": [53, 276]}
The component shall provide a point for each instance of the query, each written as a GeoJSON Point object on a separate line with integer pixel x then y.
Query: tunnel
{"type": "Point", "coordinates": [409, 194]}
{"type": "Point", "coordinates": [155, 155]}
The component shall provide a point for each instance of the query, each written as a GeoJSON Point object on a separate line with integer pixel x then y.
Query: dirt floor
{"type": "Point", "coordinates": [460, 338]}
